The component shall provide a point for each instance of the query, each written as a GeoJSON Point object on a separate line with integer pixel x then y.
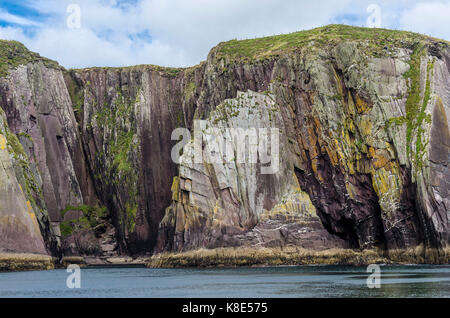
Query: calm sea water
{"type": "Point", "coordinates": [302, 281]}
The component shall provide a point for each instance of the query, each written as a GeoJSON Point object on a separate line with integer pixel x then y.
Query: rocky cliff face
{"type": "Point", "coordinates": [360, 112]}
{"type": "Point", "coordinates": [126, 119]}
{"type": "Point", "coordinates": [228, 198]}
{"type": "Point", "coordinates": [364, 140]}
{"type": "Point", "coordinates": [19, 227]}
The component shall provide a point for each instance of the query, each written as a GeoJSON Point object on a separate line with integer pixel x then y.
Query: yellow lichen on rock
{"type": "Point", "coordinates": [365, 126]}
{"type": "Point", "coordinates": [339, 152]}
{"type": "Point", "coordinates": [175, 188]}
{"type": "Point", "coordinates": [380, 181]}
{"type": "Point", "coordinates": [2, 142]}
{"type": "Point", "coordinates": [32, 215]}
{"type": "Point", "coordinates": [379, 161]}
{"type": "Point", "coordinates": [387, 184]}
{"type": "Point", "coordinates": [294, 206]}
{"type": "Point", "coordinates": [379, 157]}
{"type": "Point", "coordinates": [333, 154]}
{"type": "Point", "coordinates": [192, 216]}
{"type": "Point", "coordinates": [350, 190]}
{"type": "Point", "coordinates": [361, 105]}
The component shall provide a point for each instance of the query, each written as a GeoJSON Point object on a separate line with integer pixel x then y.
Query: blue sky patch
{"type": "Point", "coordinates": [12, 7]}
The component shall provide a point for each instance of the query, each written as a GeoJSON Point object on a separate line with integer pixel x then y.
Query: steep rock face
{"type": "Point", "coordinates": [364, 120]}
{"type": "Point", "coordinates": [36, 103]}
{"type": "Point", "coordinates": [19, 227]}
{"type": "Point", "coordinates": [126, 119]}
{"type": "Point", "coordinates": [39, 111]}
{"type": "Point", "coordinates": [226, 198]}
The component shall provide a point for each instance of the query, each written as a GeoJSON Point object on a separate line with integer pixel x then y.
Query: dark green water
{"type": "Point", "coordinates": [302, 281]}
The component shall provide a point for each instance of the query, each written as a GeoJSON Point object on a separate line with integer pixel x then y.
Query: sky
{"type": "Point", "coordinates": [179, 33]}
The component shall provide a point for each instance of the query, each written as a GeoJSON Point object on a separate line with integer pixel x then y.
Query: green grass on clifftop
{"type": "Point", "coordinates": [273, 45]}
{"type": "Point", "coordinates": [13, 54]}
{"type": "Point", "coordinates": [170, 72]}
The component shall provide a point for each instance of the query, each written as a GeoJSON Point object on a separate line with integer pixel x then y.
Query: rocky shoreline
{"type": "Point", "coordinates": [235, 257]}
{"type": "Point", "coordinates": [12, 262]}
{"type": "Point", "coordinates": [292, 256]}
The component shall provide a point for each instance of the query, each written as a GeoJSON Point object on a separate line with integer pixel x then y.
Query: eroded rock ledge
{"type": "Point", "coordinates": [25, 262]}
{"type": "Point", "coordinates": [295, 256]}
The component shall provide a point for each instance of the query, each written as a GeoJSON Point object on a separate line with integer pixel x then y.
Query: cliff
{"type": "Point", "coordinates": [362, 120]}
{"type": "Point", "coordinates": [363, 116]}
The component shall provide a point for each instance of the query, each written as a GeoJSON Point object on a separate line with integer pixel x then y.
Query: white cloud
{"type": "Point", "coordinates": [14, 19]}
{"type": "Point", "coordinates": [12, 33]}
{"type": "Point", "coordinates": [430, 18]}
{"type": "Point", "coordinates": [181, 32]}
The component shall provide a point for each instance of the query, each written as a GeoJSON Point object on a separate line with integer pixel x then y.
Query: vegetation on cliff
{"type": "Point", "coordinates": [117, 120]}
{"type": "Point", "coordinates": [91, 219]}
{"type": "Point", "coordinates": [13, 54]}
{"type": "Point", "coordinates": [162, 70]}
{"type": "Point", "coordinates": [271, 46]}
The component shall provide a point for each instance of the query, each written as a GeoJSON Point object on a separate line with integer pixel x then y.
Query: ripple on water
{"type": "Point", "coordinates": [292, 281]}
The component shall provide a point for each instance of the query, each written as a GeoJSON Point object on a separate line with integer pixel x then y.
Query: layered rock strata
{"type": "Point", "coordinates": [363, 122]}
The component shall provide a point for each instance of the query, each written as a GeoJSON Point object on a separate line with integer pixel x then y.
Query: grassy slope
{"type": "Point", "coordinates": [168, 71]}
{"type": "Point", "coordinates": [13, 54]}
{"type": "Point", "coordinates": [327, 35]}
